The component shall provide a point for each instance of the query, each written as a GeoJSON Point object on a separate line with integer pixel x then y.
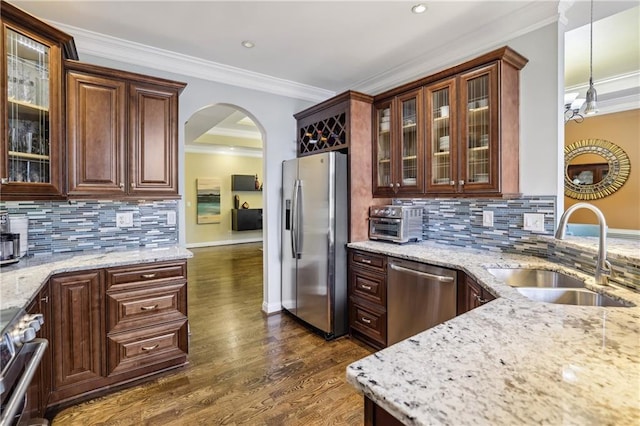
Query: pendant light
{"type": "Point", "coordinates": [592, 96]}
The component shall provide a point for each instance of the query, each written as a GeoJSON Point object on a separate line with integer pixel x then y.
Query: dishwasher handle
{"type": "Point", "coordinates": [440, 278]}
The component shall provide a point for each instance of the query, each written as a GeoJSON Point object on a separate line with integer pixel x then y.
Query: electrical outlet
{"type": "Point", "coordinates": [533, 222]}
{"type": "Point", "coordinates": [487, 218]}
{"type": "Point", "coordinates": [124, 220]}
{"type": "Point", "coordinates": [171, 218]}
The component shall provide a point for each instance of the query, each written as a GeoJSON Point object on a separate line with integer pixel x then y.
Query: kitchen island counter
{"type": "Point", "coordinates": [512, 360]}
{"type": "Point", "coordinates": [22, 281]}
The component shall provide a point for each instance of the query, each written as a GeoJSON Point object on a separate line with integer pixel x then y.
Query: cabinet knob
{"type": "Point", "coordinates": [44, 299]}
{"type": "Point", "coordinates": [121, 185]}
{"type": "Point", "coordinates": [453, 182]}
{"type": "Point", "coordinates": [4, 181]}
{"type": "Point", "coordinates": [461, 182]}
{"type": "Point", "coordinates": [133, 185]}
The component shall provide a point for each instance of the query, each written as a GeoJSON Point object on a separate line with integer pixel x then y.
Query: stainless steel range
{"type": "Point", "coordinates": [20, 355]}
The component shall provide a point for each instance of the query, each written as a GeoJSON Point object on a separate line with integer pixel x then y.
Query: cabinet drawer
{"type": "Point", "coordinates": [146, 307]}
{"type": "Point", "coordinates": [369, 322]}
{"type": "Point", "coordinates": [370, 260]}
{"type": "Point", "coordinates": [368, 285]}
{"type": "Point", "coordinates": [143, 275]}
{"type": "Point", "coordinates": [145, 347]}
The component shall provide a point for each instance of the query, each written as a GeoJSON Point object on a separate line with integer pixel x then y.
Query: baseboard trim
{"type": "Point", "coordinates": [271, 308]}
{"type": "Point", "coordinates": [224, 242]}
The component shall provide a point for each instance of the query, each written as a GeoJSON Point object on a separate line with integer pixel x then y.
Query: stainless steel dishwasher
{"type": "Point", "coordinates": [419, 296]}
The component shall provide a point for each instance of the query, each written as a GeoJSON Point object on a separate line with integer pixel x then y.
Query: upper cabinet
{"type": "Point", "coordinates": [467, 135]}
{"type": "Point", "coordinates": [122, 133]}
{"type": "Point", "coordinates": [31, 131]}
{"type": "Point", "coordinates": [398, 157]}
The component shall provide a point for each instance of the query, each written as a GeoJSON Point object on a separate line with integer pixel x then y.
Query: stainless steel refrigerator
{"type": "Point", "coordinates": [314, 238]}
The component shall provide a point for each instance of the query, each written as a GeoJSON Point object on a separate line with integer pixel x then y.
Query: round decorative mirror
{"type": "Point", "coordinates": [594, 168]}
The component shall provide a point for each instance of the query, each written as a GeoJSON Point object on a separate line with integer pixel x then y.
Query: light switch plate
{"type": "Point", "coordinates": [124, 220]}
{"type": "Point", "coordinates": [533, 222]}
{"type": "Point", "coordinates": [171, 218]}
{"type": "Point", "coordinates": [487, 218]}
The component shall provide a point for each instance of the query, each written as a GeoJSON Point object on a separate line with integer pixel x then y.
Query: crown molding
{"type": "Point", "coordinates": [245, 134]}
{"type": "Point", "coordinates": [223, 150]}
{"type": "Point", "coordinates": [104, 46]}
{"type": "Point", "coordinates": [531, 17]}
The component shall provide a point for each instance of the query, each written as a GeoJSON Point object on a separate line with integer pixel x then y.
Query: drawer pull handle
{"type": "Point", "coordinates": [147, 276]}
{"type": "Point", "coordinates": [367, 261]}
{"type": "Point", "coordinates": [366, 287]}
{"type": "Point", "coordinates": [366, 320]}
{"type": "Point", "coordinates": [150, 348]}
{"type": "Point", "coordinates": [480, 299]}
{"type": "Point", "coordinates": [148, 308]}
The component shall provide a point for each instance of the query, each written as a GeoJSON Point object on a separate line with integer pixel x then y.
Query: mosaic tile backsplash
{"type": "Point", "coordinates": [458, 222]}
{"type": "Point", "coordinates": [70, 226]}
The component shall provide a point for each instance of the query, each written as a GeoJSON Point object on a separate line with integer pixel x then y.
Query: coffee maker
{"type": "Point", "coordinates": [9, 242]}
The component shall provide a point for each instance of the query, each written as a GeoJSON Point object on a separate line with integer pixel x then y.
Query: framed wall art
{"type": "Point", "coordinates": [208, 196]}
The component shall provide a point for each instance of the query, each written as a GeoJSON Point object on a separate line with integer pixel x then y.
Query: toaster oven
{"type": "Point", "coordinates": [398, 224]}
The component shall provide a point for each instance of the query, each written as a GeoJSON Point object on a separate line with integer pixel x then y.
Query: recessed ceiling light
{"type": "Point", "coordinates": [248, 44]}
{"type": "Point", "coordinates": [419, 8]}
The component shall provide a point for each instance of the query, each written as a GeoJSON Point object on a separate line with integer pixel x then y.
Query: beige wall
{"type": "Point", "coordinates": [200, 165]}
{"type": "Point", "coordinates": [621, 209]}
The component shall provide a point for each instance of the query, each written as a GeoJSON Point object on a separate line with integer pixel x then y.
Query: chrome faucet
{"type": "Point", "coordinates": [603, 267]}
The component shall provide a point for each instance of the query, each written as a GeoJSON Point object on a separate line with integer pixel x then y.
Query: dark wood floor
{"type": "Point", "coordinates": [245, 368]}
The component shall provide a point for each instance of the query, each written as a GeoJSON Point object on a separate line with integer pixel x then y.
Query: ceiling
{"type": "Point", "coordinates": [321, 48]}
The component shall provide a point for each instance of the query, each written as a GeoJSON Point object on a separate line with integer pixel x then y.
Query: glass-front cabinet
{"type": "Point", "coordinates": [30, 165]}
{"type": "Point", "coordinates": [442, 137]}
{"type": "Point", "coordinates": [479, 128]}
{"type": "Point", "coordinates": [399, 154]}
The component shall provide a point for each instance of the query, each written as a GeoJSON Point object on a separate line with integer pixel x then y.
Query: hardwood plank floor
{"type": "Point", "coordinates": [245, 368]}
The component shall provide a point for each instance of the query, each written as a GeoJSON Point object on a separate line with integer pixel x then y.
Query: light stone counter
{"type": "Point", "coordinates": [20, 282]}
{"type": "Point", "coordinates": [511, 361]}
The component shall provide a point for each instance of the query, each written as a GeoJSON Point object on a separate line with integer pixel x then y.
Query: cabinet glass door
{"type": "Point", "coordinates": [440, 142]}
{"type": "Point", "coordinates": [27, 109]}
{"type": "Point", "coordinates": [383, 147]}
{"type": "Point", "coordinates": [409, 142]}
{"type": "Point", "coordinates": [478, 129]}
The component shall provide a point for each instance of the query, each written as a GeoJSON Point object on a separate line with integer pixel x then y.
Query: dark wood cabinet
{"type": "Point", "coordinates": [40, 387]}
{"type": "Point", "coordinates": [471, 294]}
{"type": "Point", "coordinates": [146, 318]}
{"type": "Point", "coordinates": [398, 147]}
{"type": "Point", "coordinates": [374, 415]}
{"type": "Point", "coordinates": [467, 136]}
{"type": "Point", "coordinates": [112, 326]}
{"type": "Point", "coordinates": [31, 130]}
{"type": "Point", "coordinates": [123, 133]}
{"type": "Point", "coordinates": [367, 298]}
{"type": "Point", "coordinates": [78, 333]}
{"type": "Point", "coordinates": [96, 126]}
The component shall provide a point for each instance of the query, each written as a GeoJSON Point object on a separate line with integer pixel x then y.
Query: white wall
{"type": "Point", "coordinates": [274, 115]}
{"type": "Point", "coordinates": [540, 119]}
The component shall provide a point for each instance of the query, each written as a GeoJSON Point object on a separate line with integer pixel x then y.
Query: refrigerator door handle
{"type": "Point", "coordinates": [294, 220]}
{"type": "Point", "coordinates": [299, 219]}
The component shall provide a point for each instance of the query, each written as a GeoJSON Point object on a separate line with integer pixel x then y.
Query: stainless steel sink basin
{"type": "Point", "coordinates": [569, 296]}
{"type": "Point", "coordinates": [526, 277]}
{"type": "Point", "coordinates": [552, 287]}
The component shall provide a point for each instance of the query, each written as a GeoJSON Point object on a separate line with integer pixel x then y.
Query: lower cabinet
{"type": "Point", "coordinates": [112, 326]}
{"type": "Point", "coordinates": [374, 415]}
{"type": "Point", "coordinates": [368, 297]}
{"type": "Point", "coordinates": [78, 333]}
{"type": "Point", "coordinates": [471, 294]}
{"type": "Point", "coordinates": [40, 386]}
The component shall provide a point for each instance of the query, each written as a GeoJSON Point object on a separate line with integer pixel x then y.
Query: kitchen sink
{"type": "Point", "coordinates": [569, 296]}
{"type": "Point", "coordinates": [542, 285]}
{"type": "Point", "coordinates": [528, 277]}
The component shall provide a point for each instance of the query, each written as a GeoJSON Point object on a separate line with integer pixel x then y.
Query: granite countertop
{"type": "Point", "coordinates": [512, 360]}
{"type": "Point", "coordinates": [20, 282]}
